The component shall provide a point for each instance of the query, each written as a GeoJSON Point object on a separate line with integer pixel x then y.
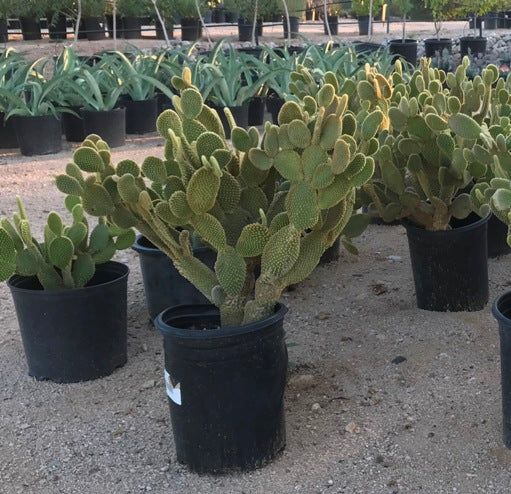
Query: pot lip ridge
{"type": "Point", "coordinates": [213, 334]}
{"type": "Point", "coordinates": [412, 226]}
{"type": "Point", "coordinates": [122, 273]}
{"type": "Point", "coordinates": [497, 313]}
{"type": "Point", "coordinates": [154, 251]}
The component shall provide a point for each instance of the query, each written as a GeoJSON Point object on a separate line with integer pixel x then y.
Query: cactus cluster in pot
{"type": "Point", "coordinates": [68, 256]}
{"type": "Point", "coordinates": [439, 136]}
{"type": "Point", "coordinates": [268, 205]}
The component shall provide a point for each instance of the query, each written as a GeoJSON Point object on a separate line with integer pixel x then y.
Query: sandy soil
{"type": "Point", "coordinates": [357, 421]}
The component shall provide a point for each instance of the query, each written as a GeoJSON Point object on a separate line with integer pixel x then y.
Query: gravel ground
{"type": "Point", "coordinates": [382, 397]}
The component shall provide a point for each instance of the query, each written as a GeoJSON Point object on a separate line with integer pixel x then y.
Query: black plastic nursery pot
{"type": "Point", "coordinates": [159, 30]}
{"type": "Point", "coordinates": [502, 312]}
{"type": "Point", "coordinates": [141, 115]}
{"type": "Point", "coordinates": [256, 108]}
{"type": "Point", "coordinates": [491, 20]}
{"type": "Point", "coordinates": [406, 49]}
{"type": "Point", "coordinates": [333, 24]}
{"type": "Point", "coordinates": [58, 30]}
{"type": "Point", "coordinates": [94, 28]}
{"type": "Point", "coordinates": [244, 30]}
{"type": "Point", "coordinates": [8, 138]}
{"type": "Point", "coordinates": [38, 135]}
{"type": "Point", "coordinates": [472, 45]}
{"type": "Point", "coordinates": [110, 26]}
{"type": "Point", "coordinates": [434, 46]}
{"type": "Point", "coordinates": [497, 238]}
{"type": "Point", "coordinates": [295, 26]}
{"type": "Point", "coordinates": [273, 104]}
{"type": "Point", "coordinates": [240, 114]}
{"type": "Point", "coordinates": [163, 102]}
{"type": "Point", "coordinates": [4, 31]}
{"type": "Point", "coordinates": [74, 335]}
{"type": "Point", "coordinates": [132, 27]}
{"type": "Point", "coordinates": [225, 388]}
{"type": "Point", "coordinates": [450, 268]}
{"type": "Point", "coordinates": [363, 25]}
{"type": "Point", "coordinates": [191, 29]}
{"type": "Point", "coordinates": [163, 285]}
{"type": "Point", "coordinates": [30, 28]}
{"type": "Point", "coordinates": [73, 126]}
{"type": "Point", "coordinates": [332, 253]}
{"type": "Point", "coordinates": [110, 125]}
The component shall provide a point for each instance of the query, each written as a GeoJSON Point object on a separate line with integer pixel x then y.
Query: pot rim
{"type": "Point", "coordinates": [439, 40]}
{"type": "Point", "coordinates": [399, 41]}
{"type": "Point", "coordinates": [123, 272]}
{"type": "Point", "coordinates": [497, 314]}
{"type": "Point", "coordinates": [213, 334]}
{"type": "Point", "coordinates": [412, 226]}
{"type": "Point", "coordinates": [154, 251]}
{"type": "Point", "coordinates": [473, 38]}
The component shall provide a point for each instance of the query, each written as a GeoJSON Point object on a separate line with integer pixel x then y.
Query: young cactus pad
{"type": "Point", "coordinates": [269, 206]}
{"type": "Point", "coordinates": [68, 255]}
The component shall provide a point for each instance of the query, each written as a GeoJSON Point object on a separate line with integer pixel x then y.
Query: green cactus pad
{"type": "Point", "coordinates": [179, 205]}
{"type": "Point", "coordinates": [241, 140]}
{"type": "Point", "coordinates": [341, 157]}
{"type": "Point", "coordinates": [6, 225]}
{"type": "Point", "coordinates": [61, 252]}
{"type": "Point", "coordinates": [7, 256]}
{"type": "Point", "coordinates": [27, 263]}
{"type": "Point", "coordinates": [330, 132]}
{"type": "Point", "coordinates": [252, 240]}
{"type": "Point", "coordinates": [312, 157]}
{"type": "Point", "coordinates": [290, 111]}
{"type": "Point", "coordinates": [260, 159]}
{"type": "Point", "coordinates": [54, 221]}
{"type": "Point", "coordinates": [208, 143]}
{"type": "Point", "coordinates": [68, 185]}
{"type": "Point", "coordinates": [77, 233]}
{"type": "Point", "coordinates": [464, 126]}
{"type": "Point", "coordinates": [97, 201]}
{"type": "Point", "coordinates": [289, 164]}
{"type": "Point", "coordinates": [83, 270]}
{"type": "Point", "coordinates": [125, 240]}
{"type": "Point", "coordinates": [169, 120]}
{"type": "Point", "coordinates": [280, 253]}
{"type": "Point", "coordinates": [74, 171]}
{"type": "Point", "coordinates": [154, 169]}
{"type": "Point", "coordinates": [105, 254]}
{"type": "Point", "coordinates": [99, 238]}
{"type": "Point", "coordinates": [192, 129]}
{"type": "Point", "coordinates": [127, 166]}
{"type": "Point", "coordinates": [202, 190]}
{"type": "Point", "coordinates": [191, 103]}
{"type": "Point", "coordinates": [299, 134]}
{"type": "Point", "coordinates": [371, 124]}
{"type": "Point", "coordinates": [88, 160]}
{"type": "Point", "coordinates": [210, 230]}
{"type": "Point", "coordinates": [231, 270]}
{"type": "Point", "coordinates": [334, 193]}
{"type": "Point", "coordinates": [229, 192]}
{"type": "Point", "coordinates": [302, 206]}
{"type": "Point", "coordinates": [123, 218]}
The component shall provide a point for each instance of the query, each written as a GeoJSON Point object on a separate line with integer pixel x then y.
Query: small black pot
{"type": "Point", "coordinates": [433, 46]}
{"type": "Point", "coordinates": [245, 30]}
{"type": "Point", "coordinates": [225, 388]}
{"type": "Point", "coordinates": [256, 109]}
{"type": "Point", "coordinates": [59, 29]}
{"type": "Point", "coordinates": [191, 29]}
{"type": "Point", "coordinates": [132, 27]}
{"type": "Point", "coordinates": [332, 253]}
{"type": "Point", "coordinates": [295, 26]}
{"type": "Point", "coordinates": [218, 15]}
{"type": "Point", "coordinates": [141, 115]}
{"type": "Point", "coordinates": [30, 28]}
{"type": "Point", "coordinates": [469, 44]}
{"type": "Point", "coordinates": [502, 312]}
{"type": "Point", "coordinates": [159, 29]}
{"type": "Point", "coordinates": [491, 20]}
{"type": "Point", "coordinates": [479, 22]}
{"type": "Point", "coordinates": [4, 31]}
{"type": "Point", "coordinates": [497, 238]}
{"type": "Point", "coordinates": [110, 125]}
{"type": "Point", "coordinates": [73, 126]}
{"type": "Point", "coordinates": [333, 23]}
{"type": "Point", "coordinates": [163, 285]}
{"type": "Point", "coordinates": [273, 104]}
{"type": "Point", "coordinates": [406, 50]}
{"type": "Point", "coordinates": [231, 17]}
{"type": "Point", "coordinates": [38, 135]}
{"type": "Point", "coordinates": [450, 268]}
{"type": "Point", "coordinates": [74, 335]}
{"type": "Point", "coordinates": [8, 139]}
{"type": "Point", "coordinates": [94, 28]}
{"type": "Point", "coordinates": [240, 114]}
{"type": "Point", "coordinates": [363, 25]}
{"type": "Point", "coordinates": [118, 26]}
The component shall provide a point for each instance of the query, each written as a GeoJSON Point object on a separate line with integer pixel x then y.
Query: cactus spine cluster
{"type": "Point", "coordinates": [68, 256]}
{"type": "Point", "coordinates": [269, 206]}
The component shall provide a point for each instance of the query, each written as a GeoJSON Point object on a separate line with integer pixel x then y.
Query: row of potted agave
{"type": "Point", "coordinates": [268, 207]}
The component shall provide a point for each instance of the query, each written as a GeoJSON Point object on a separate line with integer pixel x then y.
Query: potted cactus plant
{"type": "Point", "coordinates": [422, 167]}
{"type": "Point", "coordinates": [269, 208]}
{"type": "Point", "coordinates": [70, 298]}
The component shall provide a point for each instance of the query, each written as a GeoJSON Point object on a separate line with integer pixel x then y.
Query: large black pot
{"type": "Point", "coordinates": [94, 28]}
{"type": "Point", "coordinates": [363, 25]}
{"type": "Point", "coordinates": [333, 23]}
{"type": "Point", "coordinates": [256, 108]}
{"type": "Point", "coordinates": [30, 28]}
{"type": "Point", "coordinates": [497, 238]}
{"type": "Point", "coordinates": [73, 126]}
{"type": "Point", "coordinates": [110, 125]}
{"type": "Point", "coordinates": [191, 29]}
{"type": "Point", "coordinates": [58, 30]}
{"type": "Point", "coordinates": [295, 26]}
{"type": "Point", "coordinates": [406, 50]}
{"type": "Point", "coordinates": [225, 388]}
{"type": "Point", "coordinates": [240, 114]}
{"type": "Point", "coordinates": [118, 26]}
{"type": "Point", "coordinates": [434, 46]}
{"type": "Point", "coordinates": [132, 27]}
{"type": "Point", "coordinates": [159, 29]}
{"type": "Point", "coordinates": [141, 115]}
{"type": "Point", "coordinates": [479, 22]}
{"type": "Point", "coordinates": [4, 31]}
{"type": "Point", "coordinates": [450, 268]}
{"type": "Point", "coordinates": [491, 20]}
{"type": "Point", "coordinates": [74, 335]}
{"type": "Point", "coordinates": [164, 103]}
{"type": "Point", "coordinates": [163, 285]}
{"type": "Point", "coordinates": [38, 135]}
{"type": "Point", "coordinates": [8, 138]}
{"type": "Point", "coordinates": [273, 104]}
{"type": "Point", "coordinates": [469, 44]}
{"type": "Point", "coordinates": [245, 30]}
{"type": "Point", "coordinates": [502, 312]}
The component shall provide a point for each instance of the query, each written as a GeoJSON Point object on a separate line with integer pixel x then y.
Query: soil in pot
{"type": "Point", "coordinates": [74, 335]}
{"type": "Point", "coordinates": [273, 105]}
{"type": "Point", "coordinates": [434, 46]}
{"type": "Point", "coordinates": [256, 109]}
{"type": "Point", "coordinates": [406, 50]}
{"type": "Point", "coordinates": [295, 26]}
{"type": "Point", "coordinates": [141, 115]}
{"type": "Point", "coordinates": [59, 29]}
{"type": "Point", "coordinates": [240, 114]}
{"type": "Point", "coordinates": [191, 29]}
{"type": "Point", "coordinates": [450, 268]}
{"type": "Point", "coordinates": [471, 45]}
{"type": "Point", "coordinates": [94, 28]}
{"type": "Point", "coordinates": [132, 27]}
{"type": "Point", "coordinates": [73, 126]}
{"type": "Point", "coordinates": [30, 28]}
{"type": "Point", "coordinates": [163, 285]}
{"type": "Point", "coordinates": [38, 135]}
{"type": "Point", "coordinates": [363, 25]}
{"type": "Point", "coordinates": [225, 388]}
{"type": "Point", "coordinates": [8, 138]}
{"type": "Point", "coordinates": [497, 238]}
{"type": "Point", "coordinates": [110, 125]}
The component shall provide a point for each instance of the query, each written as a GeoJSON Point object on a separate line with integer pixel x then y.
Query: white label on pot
{"type": "Point", "coordinates": [173, 391]}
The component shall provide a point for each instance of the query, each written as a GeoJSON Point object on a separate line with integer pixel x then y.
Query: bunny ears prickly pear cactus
{"type": "Point", "coordinates": [268, 206]}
